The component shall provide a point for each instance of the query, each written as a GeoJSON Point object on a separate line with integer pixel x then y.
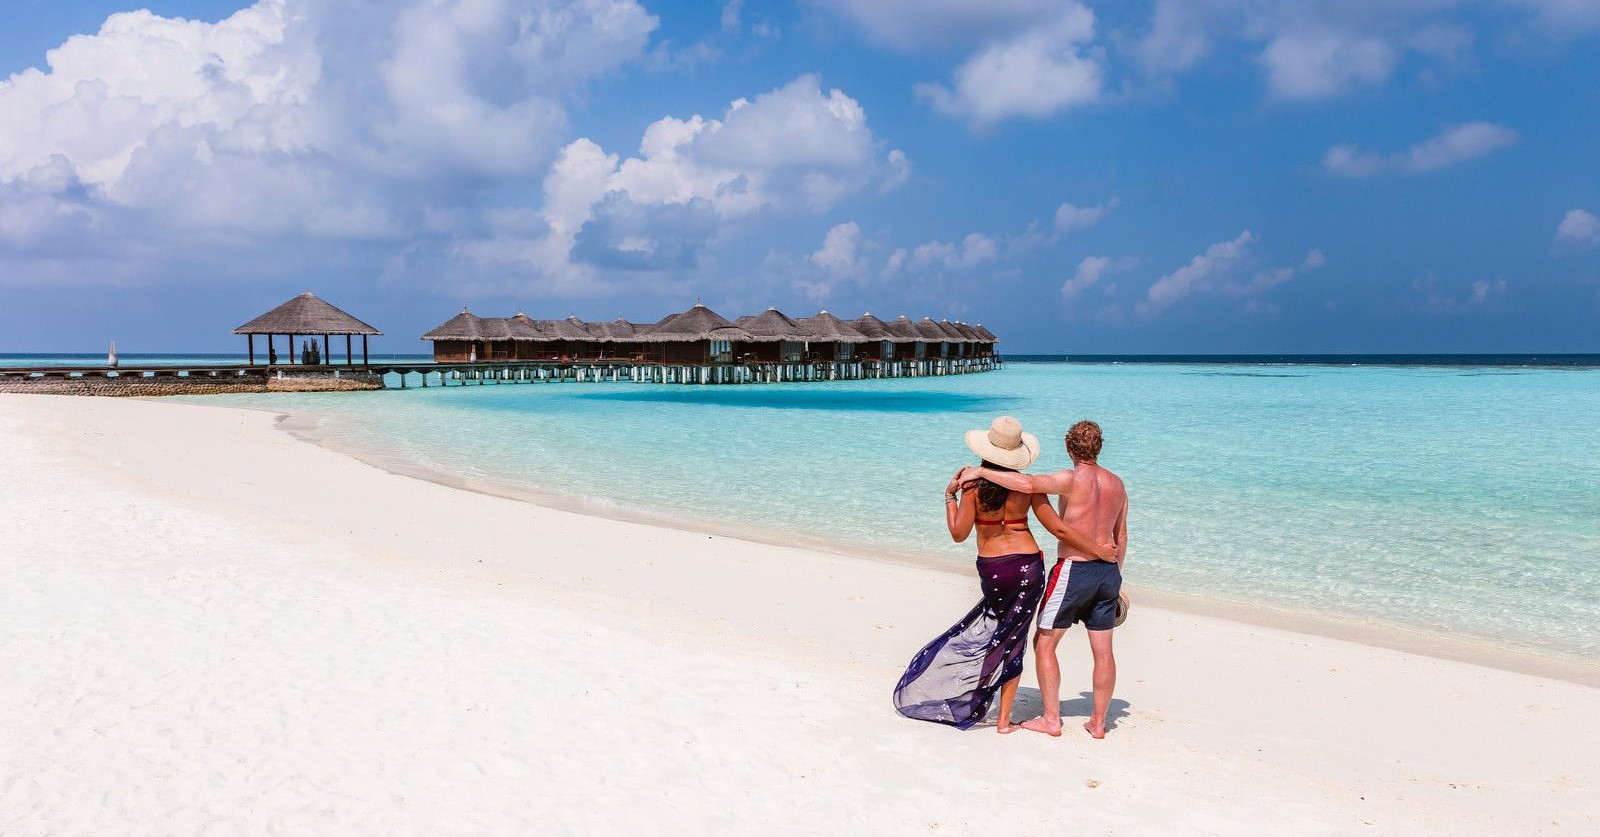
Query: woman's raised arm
{"type": "Point", "coordinates": [959, 512]}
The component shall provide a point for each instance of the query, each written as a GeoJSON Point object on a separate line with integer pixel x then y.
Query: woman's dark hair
{"type": "Point", "coordinates": [990, 496]}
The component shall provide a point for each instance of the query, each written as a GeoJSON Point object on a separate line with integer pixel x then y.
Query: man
{"type": "Point", "coordinates": [1081, 588]}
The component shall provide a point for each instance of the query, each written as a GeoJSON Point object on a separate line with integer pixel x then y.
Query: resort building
{"type": "Point", "coordinates": [766, 346]}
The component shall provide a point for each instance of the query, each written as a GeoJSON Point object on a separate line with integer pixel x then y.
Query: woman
{"type": "Point", "coordinates": [954, 679]}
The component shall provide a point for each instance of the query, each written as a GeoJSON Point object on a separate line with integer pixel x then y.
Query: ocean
{"type": "Point", "coordinates": [1458, 500]}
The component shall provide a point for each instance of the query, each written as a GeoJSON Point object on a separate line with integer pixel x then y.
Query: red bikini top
{"type": "Point", "coordinates": [999, 522]}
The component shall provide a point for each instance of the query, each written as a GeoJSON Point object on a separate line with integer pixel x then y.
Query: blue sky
{"type": "Point", "coordinates": [1082, 177]}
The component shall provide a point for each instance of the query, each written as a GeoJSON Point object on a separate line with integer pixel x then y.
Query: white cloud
{"type": "Point", "coordinates": [917, 25]}
{"type": "Point", "coordinates": [898, 172]}
{"type": "Point", "coordinates": [1455, 144]}
{"type": "Point", "coordinates": [1318, 64]}
{"type": "Point", "coordinates": [1564, 16]}
{"type": "Point", "coordinates": [1037, 73]}
{"type": "Point", "coordinates": [793, 149]}
{"type": "Point", "coordinates": [1070, 218]}
{"type": "Point", "coordinates": [1212, 272]}
{"type": "Point", "coordinates": [1434, 297]}
{"type": "Point", "coordinates": [302, 120]}
{"type": "Point", "coordinates": [839, 254]}
{"type": "Point", "coordinates": [1312, 49]}
{"type": "Point", "coordinates": [1178, 37]}
{"type": "Point", "coordinates": [972, 251]}
{"type": "Point", "coordinates": [1088, 274]}
{"type": "Point", "coordinates": [1200, 273]}
{"type": "Point", "coordinates": [1268, 279]}
{"type": "Point", "coordinates": [1580, 226]}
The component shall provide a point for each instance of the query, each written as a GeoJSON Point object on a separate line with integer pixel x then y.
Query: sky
{"type": "Point", "coordinates": [1081, 176]}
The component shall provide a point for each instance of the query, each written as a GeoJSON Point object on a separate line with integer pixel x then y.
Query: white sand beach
{"type": "Point", "coordinates": [212, 627]}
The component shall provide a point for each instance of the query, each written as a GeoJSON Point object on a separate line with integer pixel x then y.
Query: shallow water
{"type": "Point", "coordinates": [1456, 501]}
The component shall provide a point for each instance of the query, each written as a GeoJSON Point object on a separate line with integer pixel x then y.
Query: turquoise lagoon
{"type": "Point", "coordinates": [1453, 501]}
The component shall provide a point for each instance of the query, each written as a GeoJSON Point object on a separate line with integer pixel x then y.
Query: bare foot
{"type": "Point", "coordinates": [1040, 724]}
{"type": "Point", "coordinates": [1005, 727]}
{"type": "Point", "coordinates": [1094, 729]}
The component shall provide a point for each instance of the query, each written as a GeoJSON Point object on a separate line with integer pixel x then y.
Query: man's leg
{"type": "Point", "coordinates": [1105, 680]}
{"type": "Point", "coordinates": [1045, 641]}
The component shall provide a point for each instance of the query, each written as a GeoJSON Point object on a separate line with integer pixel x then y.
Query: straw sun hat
{"type": "Point", "coordinates": [1005, 444]}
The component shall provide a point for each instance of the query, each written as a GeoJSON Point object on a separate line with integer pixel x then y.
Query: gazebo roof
{"type": "Point", "coordinates": [306, 314]}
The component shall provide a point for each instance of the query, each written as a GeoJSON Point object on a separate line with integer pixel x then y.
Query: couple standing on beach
{"type": "Point", "coordinates": [954, 679]}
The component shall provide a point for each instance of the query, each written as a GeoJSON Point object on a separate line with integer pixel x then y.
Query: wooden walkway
{"type": "Point", "coordinates": [619, 371]}
{"type": "Point", "coordinates": [424, 374]}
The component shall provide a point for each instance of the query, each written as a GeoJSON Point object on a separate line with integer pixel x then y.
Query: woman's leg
{"type": "Point", "coordinates": [1008, 694]}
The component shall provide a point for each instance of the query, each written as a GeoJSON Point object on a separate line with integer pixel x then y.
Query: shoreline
{"type": "Point", "coordinates": [241, 631]}
{"type": "Point", "coordinates": [305, 427]}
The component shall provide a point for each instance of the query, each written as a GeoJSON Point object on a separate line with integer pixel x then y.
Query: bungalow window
{"type": "Point", "coordinates": [922, 350]}
{"type": "Point", "coordinates": [845, 351]}
{"type": "Point", "coordinates": [793, 351]}
{"type": "Point", "coordinates": [944, 350]}
{"type": "Point", "coordinates": [722, 351]}
{"type": "Point", "coordinates": [886, 350]}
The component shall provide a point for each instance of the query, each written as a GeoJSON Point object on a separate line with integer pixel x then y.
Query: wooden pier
{"type": "Point", "coordinates": [217, 378]}
{"type": "Point", "coordinates": [627, 371]}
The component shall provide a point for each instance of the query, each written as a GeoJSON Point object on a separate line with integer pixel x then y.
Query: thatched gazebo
{"type": "Point", "coordinates": [306, 316]}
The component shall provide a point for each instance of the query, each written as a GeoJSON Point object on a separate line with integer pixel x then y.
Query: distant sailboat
{"type": "Point", "coordinates": [111, 356]}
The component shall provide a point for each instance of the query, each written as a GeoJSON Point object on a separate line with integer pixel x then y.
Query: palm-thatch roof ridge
{"type": "Point", "coordinates": [875, 329]}
{"type": "Point", "coordinates": [306, 314]}
{"type": "Point", "coordinates": [772, 326]}
{"type": "Point", "coordinates": [463, 326]}
{"type": "Point", "coordinates": [697, 323]}
{"type": "Point", "coordinates": [826, 328]}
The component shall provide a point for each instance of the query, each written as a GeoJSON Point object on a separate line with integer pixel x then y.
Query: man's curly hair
{"type": "Point", "coordinates": [1084, 440]}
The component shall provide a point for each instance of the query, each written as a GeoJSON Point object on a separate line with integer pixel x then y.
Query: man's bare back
{"type": "Point", "coordinates": [1095, 505]}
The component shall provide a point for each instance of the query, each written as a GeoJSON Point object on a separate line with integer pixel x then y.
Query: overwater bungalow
{"type": "Point", "coordinates": [766, 346]}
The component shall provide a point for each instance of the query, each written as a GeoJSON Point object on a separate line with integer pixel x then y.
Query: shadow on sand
{"type": "Point", "coordinates": [1029, 705]}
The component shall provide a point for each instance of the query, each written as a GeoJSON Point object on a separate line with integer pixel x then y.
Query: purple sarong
{"type": "Point", "coordinates": [954, 678]}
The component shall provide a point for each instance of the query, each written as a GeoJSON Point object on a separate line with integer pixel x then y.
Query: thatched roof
{"type": "Point", "coordinates": [306, 314]}
{"type": "Point", "coordinates": [875, 329]}
{"type": "Point", "coordinates": [826, 328]}
{"type": "Point", "coordinates": [463, 326]}
{"type": "Point", "coordinates": [951, 332]}
{"type": "Point", "coordinates": [701, 323]}
{"type": "Point", "coordinates": [971, 334]}
{"type": "Point", "coordinates": [771, 326]}
{"type": "Point", "coordinates": [693, 324]}
{"type": "Point", "coordinates": [616, 331]}
{"type": "Point", "coordinates": [903, 328]}
{"type": "Point", "coordinates": [930, 331]}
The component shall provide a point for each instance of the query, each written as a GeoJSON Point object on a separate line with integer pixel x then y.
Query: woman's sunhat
{"type": "Point", "coordinates": [1005, 444]}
